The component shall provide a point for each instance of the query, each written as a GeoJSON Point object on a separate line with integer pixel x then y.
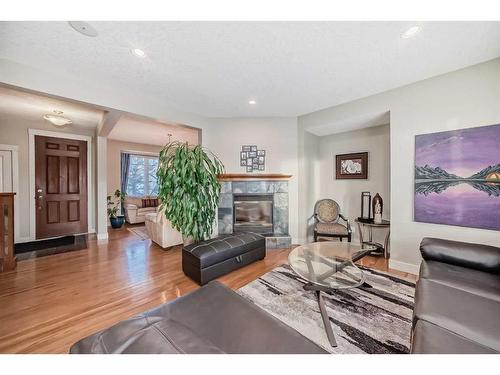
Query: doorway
{"type": "Point", "coordinates": [61, 186]}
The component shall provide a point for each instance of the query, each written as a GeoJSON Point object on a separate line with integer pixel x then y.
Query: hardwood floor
{"type": "Point", "coordinates": [49, 303]}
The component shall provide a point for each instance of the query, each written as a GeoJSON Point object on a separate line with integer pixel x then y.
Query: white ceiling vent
{"type": "Point", "coordinates": [83, 28]}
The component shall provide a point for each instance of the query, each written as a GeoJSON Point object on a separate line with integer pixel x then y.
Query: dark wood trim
{"type": "Point", "coordinates": [364, 162]}
{"type": "Point", "coordinates": [7, 256]}
{"type": "Point", "coordinates": [253, 176]}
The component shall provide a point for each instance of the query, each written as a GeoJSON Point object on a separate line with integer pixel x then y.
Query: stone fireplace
{"type": "Point", "coordinates": [253, 213]}
{"type": "Point", "coordinates": [255, 203]}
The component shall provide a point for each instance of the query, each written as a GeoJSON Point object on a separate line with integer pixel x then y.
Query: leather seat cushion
{"type": "Point", "coordinates": [473, 281]}
{"type": "Point", "coordinates": [428, 338]}
{"type": "Point", "coordinates": [211, 319]}
{"type": "Point", "coordinates": [465, 314]}
{"type": "Point", "coordinates": [139, 335]}
{"type": "Point", "coordinates": [206, 253]}
{"type": "Point", "coordinates": [327, 228]}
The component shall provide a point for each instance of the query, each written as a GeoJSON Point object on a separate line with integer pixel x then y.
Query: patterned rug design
{"type": "Point", "coordinates": [140, 232]}
{"type": "Point", "coordinates": [373, 320]}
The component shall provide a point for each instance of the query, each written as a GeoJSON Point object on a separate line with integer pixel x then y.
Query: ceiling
{"type": "Point", "coordinates": [289, 68]}
{"type": "Point", "coordinates": [33, 107]}
{"type": "Point", "coordinates": [151, 132]}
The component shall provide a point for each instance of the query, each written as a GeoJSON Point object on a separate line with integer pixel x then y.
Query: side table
{"type": "Point", "coordinates": [386, 224]}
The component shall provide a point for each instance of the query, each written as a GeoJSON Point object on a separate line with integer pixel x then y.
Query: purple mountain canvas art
{"type": "Point", "coordinates": [457, 177]}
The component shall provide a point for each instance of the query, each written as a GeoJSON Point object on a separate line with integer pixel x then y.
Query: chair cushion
{"type": "Point", "coordinates": [473, 281]}
{"type": "Point", "coordinates": [136, 201]}
{"type": "Point", "coordinates": [465, 314]}
{"type": "Point", "coordinates": [333, 228]}
{"type": "Point", "coordinates": [429, 338]}
{"type": "Point", "coordinates": [146, 210]}
{"type": "Point", "coordinates": [223, 247]}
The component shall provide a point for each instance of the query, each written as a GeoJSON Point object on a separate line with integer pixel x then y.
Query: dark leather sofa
{"type": "Point", "coordinates": [213, 319]}
{"type": "Point", "coordinates": [457, 300]}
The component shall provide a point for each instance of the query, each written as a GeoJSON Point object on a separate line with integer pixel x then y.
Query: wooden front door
{"type": "Point", "coordinates": [60, 186]}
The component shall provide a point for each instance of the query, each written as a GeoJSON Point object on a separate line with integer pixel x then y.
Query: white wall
{"type": "Point", "coordinates": [14, 131]}
{"type": "Point", "coordinates": [466, 98]}
{"type": "Point", "coordinates": [347, 193]}
{"type": "Point", "coordinates": [278, 136]}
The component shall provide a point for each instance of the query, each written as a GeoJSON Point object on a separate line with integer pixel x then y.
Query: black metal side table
{"type": "Point", "coordinates": [385, 224]}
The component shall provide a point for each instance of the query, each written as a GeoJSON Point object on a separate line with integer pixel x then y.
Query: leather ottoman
{"type": "Point", "coordinates": [206, 260]}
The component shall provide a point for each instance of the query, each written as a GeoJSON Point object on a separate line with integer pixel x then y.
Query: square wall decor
{"type": "Point", "coordinates": [457, 177]}
{"type": "Point", "coordinates": [252, 159]}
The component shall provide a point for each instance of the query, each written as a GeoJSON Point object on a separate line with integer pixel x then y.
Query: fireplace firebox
{"type": "Point", "coordinates": [253, 213]}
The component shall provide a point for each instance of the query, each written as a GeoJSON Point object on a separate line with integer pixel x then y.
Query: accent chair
{"type": "Point", "coordinates": [326, 221]}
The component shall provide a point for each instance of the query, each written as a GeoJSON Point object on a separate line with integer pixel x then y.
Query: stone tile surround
{"type": "Point", "coordinates": [279, 189]}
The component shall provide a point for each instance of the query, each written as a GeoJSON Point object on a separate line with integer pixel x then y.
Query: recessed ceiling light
{"type": "Point", "coordinates": [252, 102]}
{"type": "Point", "coordinates": [57, 119]}
{"type": "Point", "coordinates": [138, 52]}
{"type": "Point", "coordinates": [412, 31]}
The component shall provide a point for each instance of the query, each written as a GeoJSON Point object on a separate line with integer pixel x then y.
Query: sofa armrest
{"type": "Point", "coordinates": [131, 207]}
{"type": "Point", "coordinates": [480, 257]}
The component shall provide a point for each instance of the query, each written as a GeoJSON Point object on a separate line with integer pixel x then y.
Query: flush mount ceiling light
{"type": "Point", "coordinates": [412, 31]}
{"type": "Point", "coordinates": [57, 119]}
{"type": "Point", "coordinates": [252, 102]}
{"type": "Point", "coordinates": [83, 28]}
{"type": "Point", "coordinates": [138, 52]}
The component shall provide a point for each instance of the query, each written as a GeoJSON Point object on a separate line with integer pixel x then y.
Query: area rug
{"type": "Point", "coordinates": [140, 232]}
{"type": "Point", "coordinates": [364, 320]}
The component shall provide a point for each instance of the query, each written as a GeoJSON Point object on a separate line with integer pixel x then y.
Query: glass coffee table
{"type": "Point", "coordinates": [327, 266]}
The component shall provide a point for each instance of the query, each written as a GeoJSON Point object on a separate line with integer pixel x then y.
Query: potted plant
{"type": "Point", "coordinates": [188, 188]}
{"type": "Point", "coordinates": [114, 202]}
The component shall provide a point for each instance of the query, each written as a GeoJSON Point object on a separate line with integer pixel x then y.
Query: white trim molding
{"type": "Point", "coordinates": [14, 150]}
{"type": "Point", "coordinates": [404, 267]}
{"type": "Point", "coordinates": [90, 185]}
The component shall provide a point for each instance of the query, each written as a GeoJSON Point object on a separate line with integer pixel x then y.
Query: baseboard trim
{"type": "Point", "coordinates": [102, 236]}
{"type": "Point", "coordinates": [405, 267]}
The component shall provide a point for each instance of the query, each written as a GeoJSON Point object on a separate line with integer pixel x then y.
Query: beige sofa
{"type": "Point", "coordinates": [134, 212]}
{"type": "Point", "coordinates": [161, 232]}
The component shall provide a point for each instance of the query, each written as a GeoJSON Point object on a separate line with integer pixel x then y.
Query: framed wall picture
{"type": "Point", "coordinates": [252, 159]}
{"type": "Point", "coordinates": [457, 177]}
{"type": "Point", "coordinates": [351, 166]}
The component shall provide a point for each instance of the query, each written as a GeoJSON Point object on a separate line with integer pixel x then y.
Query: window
{"type": "Point", "coordinates": [141, 179]}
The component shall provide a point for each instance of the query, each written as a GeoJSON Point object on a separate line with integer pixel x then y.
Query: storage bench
{"type": "Point", "coordinates": [206, 260]}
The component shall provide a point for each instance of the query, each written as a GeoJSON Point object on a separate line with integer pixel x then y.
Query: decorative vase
{"type": "Point", "coordinates": [117, 222]}
{"type": "Point", "coordinates": [377, 207]}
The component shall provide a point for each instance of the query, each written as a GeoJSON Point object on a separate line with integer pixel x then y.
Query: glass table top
{"type": "Point", "coordinates": [329, 264]}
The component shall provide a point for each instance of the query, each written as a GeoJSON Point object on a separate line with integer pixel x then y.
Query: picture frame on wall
{"type": "Point", "coordinates": [246, 148]}
{"type": "Point", "coordinates": [243, 162]}
{"type": "Point", "coordinates": [243, 155]}
{"type": "Point", "coordinates": [252, 154]}
{"type": "Point", "coordinates": [352, 166]}
{"type": "Point", "coordinates": [249, 168]}
{"type": "Point", "coordinates": [261, 152]}
{"type": "Point", "coordinates": [253, 149]}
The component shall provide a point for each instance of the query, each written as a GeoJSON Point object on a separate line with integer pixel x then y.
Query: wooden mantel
{"type": "Point", "coordinates": [254, 176]}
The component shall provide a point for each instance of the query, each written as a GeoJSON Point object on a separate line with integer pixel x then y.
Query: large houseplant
{"type": "Point", "coordinates": [188, 188]}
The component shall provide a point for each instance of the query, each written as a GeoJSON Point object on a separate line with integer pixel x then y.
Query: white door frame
{"type": "Point", "coordinates": [90, 186]}
{"type": "Point", "coordinates": [14, 150]}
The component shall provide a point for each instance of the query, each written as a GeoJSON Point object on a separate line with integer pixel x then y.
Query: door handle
{"type": "Point", "coordinates": [39, 196]}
